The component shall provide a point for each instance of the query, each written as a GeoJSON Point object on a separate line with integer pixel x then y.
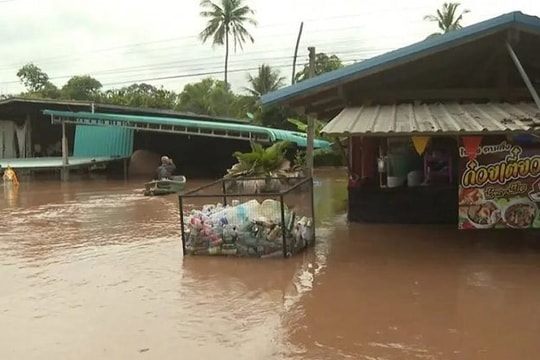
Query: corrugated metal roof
{"type": "Point", "coordinates": [408, 53]}
{"type": "Point", "coordinates": [435, 119]}
{"type": "Point", "coordinates": [102, 141]}
{"type": "Point", "coordinates": [22, 104]}
{"type": "Point", "coordinates": [118, 120]}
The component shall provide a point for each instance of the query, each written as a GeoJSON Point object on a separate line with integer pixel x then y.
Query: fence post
{"type": "Point", "coordinates": [312, 211]}
{"type": "Point", "coordinates": [283, 227]}
{"type": "Point", "coordinates": [181, 206]}
{"type": "Point", "coordinates": [224, 192]}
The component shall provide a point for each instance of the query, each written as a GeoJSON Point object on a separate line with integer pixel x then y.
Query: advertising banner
{"type": "Point", "coordinates": [499, 186]}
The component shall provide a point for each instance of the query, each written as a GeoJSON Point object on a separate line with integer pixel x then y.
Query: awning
{"type": "Point", "coordinates": [435, 119]}
{"type": "Point", "coordinates": [183, 127]}
{"type": "Point", "coordinates": [43, 163]}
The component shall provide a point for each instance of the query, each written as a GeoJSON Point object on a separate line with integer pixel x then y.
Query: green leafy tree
{"type": "Point", "coordinates": [49, 91]}
{"type": "Point", "coordinates": [323, 64]}
{"type": "Point", "coordinates": [243, 107]}
{"type": "Point", "coordinates": [275, 117]}
{"type": "Point", "coordinates": [37, 82]}
{"type": "Point", "coordinates": [448, 18]}
{"type": "Point", "coordinates": [227, 18]}
{"type": "Point", "coordinates": [81, 87]}
{"type": "Point", "coordinates": [207, 97]}
{"type": "Point", "coordinates": [266, 80]}
{"type": "Point", "coordinates": [141, 95]}
{"type": "Point", "coordinates": [32, 77]}
{"type": "Point", "coordinates": [114, 97]}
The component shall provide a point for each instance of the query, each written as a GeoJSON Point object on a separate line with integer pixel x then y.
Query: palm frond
{"type": "Point", "coordinates": [431, 18]}
{"type": "Point", "coordinates": [447, 17]}
{"type": "Point", "coordinates": [226, 19]}
{"type": "Point", "coordinates": [267, 80]}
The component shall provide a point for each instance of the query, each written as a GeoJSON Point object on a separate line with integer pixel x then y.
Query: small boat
{"type": "Point", "coordinates": [165, 186]}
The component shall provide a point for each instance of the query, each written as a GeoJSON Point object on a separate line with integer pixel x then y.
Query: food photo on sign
{"type": "Point", "coordinates": [499, 185]}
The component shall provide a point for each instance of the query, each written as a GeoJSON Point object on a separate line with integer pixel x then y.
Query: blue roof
{"type": "Point", "coordinates": [120, 120]}
{"type": "Point", "coordinates": [408, 53]}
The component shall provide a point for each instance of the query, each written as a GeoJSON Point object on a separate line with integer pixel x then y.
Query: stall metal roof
{"type": "Point", "coordinates": [435, 119]}
{"type": "Point", "coordinates": [183, 126]}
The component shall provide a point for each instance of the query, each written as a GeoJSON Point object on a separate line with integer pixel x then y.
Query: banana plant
{"type": "Point", "coordinates": [322, 152]}
{"type": "Point", "coordinates": [261, 162]}
{"type": "Point", "coordinates": [303, 127]}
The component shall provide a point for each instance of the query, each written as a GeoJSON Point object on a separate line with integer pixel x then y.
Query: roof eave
{"type": "Point", "coordinates": [400, 56]}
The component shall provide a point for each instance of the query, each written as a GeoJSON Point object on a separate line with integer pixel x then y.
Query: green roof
{"type": "Point", "coordinates": [186, 126]}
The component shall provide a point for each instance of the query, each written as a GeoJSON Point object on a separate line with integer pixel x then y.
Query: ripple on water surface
{"type": "Point", "coordinates": [96, 272]}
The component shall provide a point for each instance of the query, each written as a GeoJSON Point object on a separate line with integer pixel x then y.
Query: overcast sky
{"type": "Point", "coordinates": [121, 42]}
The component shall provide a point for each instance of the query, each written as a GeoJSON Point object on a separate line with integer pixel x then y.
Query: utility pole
{"type": "Point", "coordinates": [311, 50]}
{"type": "Point", "coordinates": [310, 119]}
{"type": "Point", "coordinates": [296, 53]}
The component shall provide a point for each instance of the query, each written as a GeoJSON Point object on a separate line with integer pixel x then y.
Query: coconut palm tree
{"type": "Point", "coordinates": [448, 18]}
{"type": "Point", "coordinates": [227, 18]}
{"type": "Point", "coordinates": [266, 80]}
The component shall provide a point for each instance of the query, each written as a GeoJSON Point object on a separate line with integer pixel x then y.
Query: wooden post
{"type": "Point", "coordinates": [65, 154]}
{"type": "Point", "coordinates": [310, 140]}
{"type": "Point", "coordinates": [126, 169]}
{"type": "Point", "coordinates": [311, 50]}
{"type": "Point", "coordinates": [310, 119]}
{"type": "Point", "coordinates": [29, 150]}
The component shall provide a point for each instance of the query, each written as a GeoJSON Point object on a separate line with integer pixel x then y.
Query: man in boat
{"type": "Point", "coordinates": [166, 169]}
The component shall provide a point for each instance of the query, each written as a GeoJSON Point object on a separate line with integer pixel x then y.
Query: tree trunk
{"type": "Point", "coordinates": [226, 55]}
{"type": "Point", "coordinates": [226, 69]}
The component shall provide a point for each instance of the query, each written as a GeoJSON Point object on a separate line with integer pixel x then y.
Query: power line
{"type": "Point", "coordinates": [206, 65]}
{"type": "Point", "coordinates": [205, 69]}
{"type": "Point", "coordinates": [335, 45]}
{"type": "Point", "coordinates": [179, 76]}
{"type": "Point", "coordinates": [202, 73]}
{"type": "Point", "coordinates": [215, 62]}
{"type": "Point", "coordinates": [266, 26]}
{"type": "Point", "coordinates": [174, 65]}
{"type": "Point", "coordinates": [271, 25]}
{"type": "Point", "coordinates": [57, 60]}
{"type": "Point", "coordinates": [248, 57]}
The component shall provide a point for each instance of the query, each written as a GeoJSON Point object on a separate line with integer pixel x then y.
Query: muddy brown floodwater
{"type": "Point", "coordinates": [94, 270]}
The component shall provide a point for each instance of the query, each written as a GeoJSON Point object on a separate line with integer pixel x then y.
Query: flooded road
{"type": "Point", "coordinates": [94, 270]}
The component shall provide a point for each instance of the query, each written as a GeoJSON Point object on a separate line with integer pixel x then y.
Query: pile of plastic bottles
{"type": "Point", "coordinates": [246, 229]}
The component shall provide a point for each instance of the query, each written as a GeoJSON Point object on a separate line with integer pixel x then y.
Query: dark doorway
{"type": "Point", "coordinates": [194, 156]}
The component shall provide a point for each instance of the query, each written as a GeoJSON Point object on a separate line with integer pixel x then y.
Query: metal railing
{"type": "Point", "coordinates": [221, 189]}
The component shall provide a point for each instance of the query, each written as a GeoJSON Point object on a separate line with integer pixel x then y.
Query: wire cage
{"type": "Point", "coordinates": [248, 217]}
